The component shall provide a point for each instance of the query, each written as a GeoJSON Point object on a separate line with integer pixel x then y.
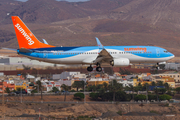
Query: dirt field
{"type": "Point", "coordinates": [128, 111]}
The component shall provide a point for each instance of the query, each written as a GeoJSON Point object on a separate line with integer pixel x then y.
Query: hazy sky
{"type": "Point", "coordinates": [60, 0]}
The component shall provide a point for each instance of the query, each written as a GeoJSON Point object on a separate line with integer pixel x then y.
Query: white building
{"type": "Point", "coordinates": [126, 82]}
{"type": "Point", "coordinates": [48, 85]}
{"type": "Point", "coordinates": [172, 66]}
{"type": "Point", "coordinates": [68, 75]}
{"type": "Point", "coordinates": [66, 82]}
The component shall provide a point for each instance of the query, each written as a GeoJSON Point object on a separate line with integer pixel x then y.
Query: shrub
{"type": "Point", "coordinates": [79, 95]}
{"type": "Point", "coordinates": [153, 111]}
{"type": "Point", "coordinates": [72, 91]}
{"type": "Point", "coordinates": [119, 112]}
{"type": "Point", "coordinates": [94, 96]}
{"type": "Point", "coordinates": [140, 97]}
{"type": "Point", "coordinates": [121, 96]}
{"type": "Point", "coordinates": [152, 97]}
{"type": "Point", "coordinates": [165, 97]}
{"type": "Point", "coordinates": [34, 91]}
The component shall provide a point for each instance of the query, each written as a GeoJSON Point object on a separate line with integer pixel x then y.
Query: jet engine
{"type": "Point", "coordinates": [120, 62]}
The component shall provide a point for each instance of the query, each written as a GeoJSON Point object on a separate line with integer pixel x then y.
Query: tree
{"type": "Point", "coordinates": [78, 84]}
{"type": "Point", "coordinates": [94, 96]}
{"type": "Point", "coordinates": [162, 90]}
{"type": "Point", "coordinates": [152, 97]}
{"type": "Point", "coordinates": [65, 88]}
{"type": "Point", "coordinates": [165, 97]}
{"type": "Point", "coordinates": [156, 90]}
{"type": "Point", "coordinates": [131, 87]}
{"type": "Point", "coordinates": [18, 89]}
{"type": "Point", "coordinates": [55, 89]}
{"type": "Point", "coordinates": [99, 87]}
{"type": "Point", "coordinates": [114, 87]}
{"type": "Point", "coordinates": [160, 83]}
{"type": "Point", "coordinates": [145, 86]}
{"type": "Point", "coordinates": [79, 95]}
{"type": "Point", "coordinates": [178, 90]}
{"type": "Point", "coordinates": [92, 88]}
{"type": "Point", "coordinates": [7, 90]}
{"type": "Point", "coordinates": [140, 97]}
{"type": "Point", "coordinates": [39, 87]}
{"type": "Point", "coordinates": [153, 84]}
{"type": "Point", "coordinates": [105, 86]}
{"type": "Point", "coordinates": [166, 85]}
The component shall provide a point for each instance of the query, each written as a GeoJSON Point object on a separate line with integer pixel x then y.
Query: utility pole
{"type": "Point", "coordinates": [39, 113]}
{"type": "Point", "coordinates": [84, 94]}
{"type": "Point", "coordinates": [3, 113]}
{"type": "Point", "coordinates": [146, 94]}
{"type": "Point", "coordinates": [21, 95]}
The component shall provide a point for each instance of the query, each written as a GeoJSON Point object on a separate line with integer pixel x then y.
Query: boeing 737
{"type": "Point", "coordinates": [120, 56]}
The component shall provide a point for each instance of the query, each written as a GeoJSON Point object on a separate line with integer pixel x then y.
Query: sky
{"type": "Point", "coordinates": [59, 0]}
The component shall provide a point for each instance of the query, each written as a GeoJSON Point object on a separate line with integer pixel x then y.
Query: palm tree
{"type": "Point", "coordinates": [78, 84]}
{"type": "Point", "coordinates": [65, 88]}
{"type": "Point", "coordinates": [156, 90]}
{"type": "Point", "coordinates": [153, 83]}
{"type": "Point", "coordinates": [114, 87]}
{"type": "Point", "coordinates": [160, 83]}
{"type": "Point", "coordinates": [39, 87]}
{"type": "Point", "coordinates": [105, 86]}
{"type": "Point", "coordinates": [166, 85]}
{"type": "Point", "coordinates": [131, 87]}
{"type": "Point", "coordinates": [178, 90]}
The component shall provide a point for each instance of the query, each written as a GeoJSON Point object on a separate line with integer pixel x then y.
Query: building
{"type": "Point", "coordinates": [174, 75]}
{"type": "Point", "coordinates": [66, 82]}
{"type": "Point", "coordinates": [11, 86]}
{"type": "Point", "coordinates": [164, 79]}
{"type": "Point", "coordinates": [172, 66]}
{"type": "Point", "coordinates": [91, 83]}
{"type": "Point", "coordinates": [21, 85]}
{"type": "Point", "coordinates": [126, 82]}
{"type": "Point", "coordinates": [142, 82]}
{"type": "Point", "coordinates": [67, 75]}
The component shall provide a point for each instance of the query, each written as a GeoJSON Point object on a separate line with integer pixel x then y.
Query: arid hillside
{"type": "Point", "coordinates": [114, 22]}
{"type": "Point", "coordinates": [163, 13]}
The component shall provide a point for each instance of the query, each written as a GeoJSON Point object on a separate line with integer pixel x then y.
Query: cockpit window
{"type": "Point", "coordinates": [166, 51]}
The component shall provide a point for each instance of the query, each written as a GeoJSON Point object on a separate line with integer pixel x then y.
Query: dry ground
{"type": "Point", "coordinates": [97, 110]}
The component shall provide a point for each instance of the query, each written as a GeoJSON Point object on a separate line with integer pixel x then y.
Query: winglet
{"type": "Point", "coordinates": [99, 43]}
{"type": "Point", "coordinates": [45, 42]}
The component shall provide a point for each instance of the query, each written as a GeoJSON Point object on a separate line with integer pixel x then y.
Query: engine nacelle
{"type": "Point", "coordinates": [121, 62]}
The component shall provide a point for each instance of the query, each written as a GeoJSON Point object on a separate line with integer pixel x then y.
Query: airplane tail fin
{"type": "Point", "coordinates": [25, 37]}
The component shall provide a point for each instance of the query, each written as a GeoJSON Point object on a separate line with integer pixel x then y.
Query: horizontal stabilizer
{"type": "Point", "coordinates": [9, 49]}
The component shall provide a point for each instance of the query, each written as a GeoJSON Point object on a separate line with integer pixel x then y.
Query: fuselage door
{"type": "Point", "coordinates": [45, 55]}
{"type": "Point", "coordinates": [158, 52]}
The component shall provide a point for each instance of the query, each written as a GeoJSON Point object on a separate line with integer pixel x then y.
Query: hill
{"type": "Point", "coordinates": [115, 22]}
{"type": "Point", "coordinates": [162, 13]}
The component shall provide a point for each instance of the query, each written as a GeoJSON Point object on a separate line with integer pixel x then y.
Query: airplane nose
{"type": "Point", "coordinates": [172, 55]}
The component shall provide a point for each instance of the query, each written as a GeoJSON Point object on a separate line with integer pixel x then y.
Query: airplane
{"type": "Point", "coordinates": [99, 55]}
